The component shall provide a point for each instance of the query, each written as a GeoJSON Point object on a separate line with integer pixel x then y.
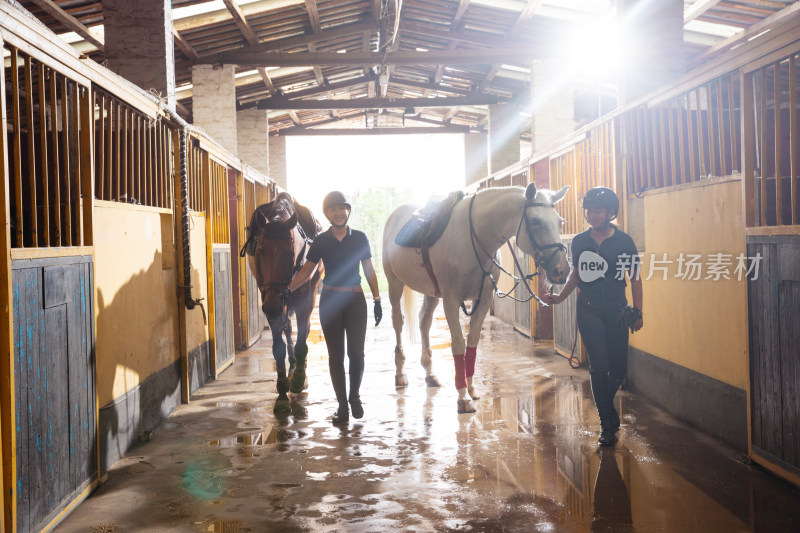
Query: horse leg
{"type": "Point", "coordinates": [303, 316]}
{"type": "Point", "coordinates": [451, 306]}
{"type": "Point", "coordinates": [287, 331]}
{"type": "Point", "coordinates": [279, 353]}
{"type": "Point", "coordinates": [473, 337]}
{"type": "Point", "coordinates": [395, 294]}
{"type": "Point", "coordinates": [425, 320]}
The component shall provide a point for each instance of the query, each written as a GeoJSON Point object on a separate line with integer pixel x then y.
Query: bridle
{"type": "Point", "coordinates": [281, 288]}
{"type": "Point", "coordinates": [539, 259]}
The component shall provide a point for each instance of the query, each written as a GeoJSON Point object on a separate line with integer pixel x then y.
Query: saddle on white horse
{"type": "Point", "coordinates": [428, 223]}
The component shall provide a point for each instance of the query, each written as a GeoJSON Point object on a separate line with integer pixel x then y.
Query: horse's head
{"type": "Point", "coordinates": [543, 233]}
{"type": "Point", "coordinates": [274, 261]}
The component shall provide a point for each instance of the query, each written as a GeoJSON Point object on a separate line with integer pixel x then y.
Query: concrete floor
{"type": "Point", "coordinates": [526, 461]}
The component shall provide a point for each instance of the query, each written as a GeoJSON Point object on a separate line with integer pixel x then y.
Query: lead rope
{"type": "Point", "coordinates": [573, 361]}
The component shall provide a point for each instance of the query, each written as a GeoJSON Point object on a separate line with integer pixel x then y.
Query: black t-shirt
{"type": "Point", "coordinates": [341, 258]}
{"type": "Point", "coordinates": [602, 268]}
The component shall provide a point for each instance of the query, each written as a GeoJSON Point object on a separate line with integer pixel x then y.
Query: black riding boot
{"type": "Point", "coordinates": [356, 374]}
{"type": "Point", "coordinates": [603, 398]}
{"type": "Point", "coordinates": [339, 382]}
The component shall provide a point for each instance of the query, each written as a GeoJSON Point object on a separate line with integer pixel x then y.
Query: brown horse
{"type": "Point", "coordinates": [280, 234]}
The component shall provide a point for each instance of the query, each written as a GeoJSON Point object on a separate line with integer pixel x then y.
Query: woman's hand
{"type": "Point", "coordinates": [551, 299]}
{"type": "Point", "coordinates": [636, 326]}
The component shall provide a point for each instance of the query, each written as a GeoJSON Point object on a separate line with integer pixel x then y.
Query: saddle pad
{"type": "Point", "coordinates": [427, 224]}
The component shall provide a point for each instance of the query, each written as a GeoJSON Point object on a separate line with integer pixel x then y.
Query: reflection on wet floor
{"type": "Point", "coordinates": [526, 461]}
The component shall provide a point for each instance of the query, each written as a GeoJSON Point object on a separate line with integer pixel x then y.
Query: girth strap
{"type": "Point", "coordinates": [426, 262]}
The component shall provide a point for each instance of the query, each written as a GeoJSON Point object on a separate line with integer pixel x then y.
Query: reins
{"type": "Point", "coordinates": [538, 260]}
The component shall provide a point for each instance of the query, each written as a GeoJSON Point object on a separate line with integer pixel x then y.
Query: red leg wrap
{"type": "Point", "coordinates": [461, 376]}
{"type": "Point", "coordinates": [469, 359]}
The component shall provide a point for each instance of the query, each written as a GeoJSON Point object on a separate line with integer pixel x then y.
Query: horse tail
{"type": "Point", "coordinates": [410, 310]}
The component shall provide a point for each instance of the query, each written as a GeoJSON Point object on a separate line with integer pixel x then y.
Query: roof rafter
{"type": "Point", "coordinates": [379, 103]}
{"type": "Point", "coordinates": [314, 91]}
{"type": "Point", "coordinates": [250, 36]}
{"type": "Point", "coordinates": [698, 9]}
{"type": "Point", "coordinates": [401, 57]}
{"type": "Point", "coordinates": [185, 47]}
{"type": "Point", "coordinates": [374, 131]}
{"type": "Point", "coordinates": [70, 22]}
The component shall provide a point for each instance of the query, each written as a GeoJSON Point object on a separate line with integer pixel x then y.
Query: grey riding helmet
{"type": "Point", "coordinates": [335, 198]}
{"type": "Point", "coordinates": [601, 197]}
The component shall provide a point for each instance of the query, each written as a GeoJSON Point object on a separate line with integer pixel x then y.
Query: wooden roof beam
{"type": "Point", "coordinates": [773, 21]}
{"type": "Point", "coordinates": [524, 16]}
{"type": "Point", "coordinates": [374, 131]}
{"type": "Point", "coordinates": [698, 9]}
{"type": "Point", "coordinates": [241, 22]}
{"type": "Point", "coordinates": [313, 15]}
{"type": "Point", "coordinates": [379, 103]}
{"type": "Point", "coordinates": [314, 91]}
{"type": "Point", "coordinates": [297, 42]}
{"type": "Point", "coordinates": [185, 47]}
{"type": "Point", "coordinates": [70, 22]}
{"type": "Point", "coordinates": [250, 36]}
{"type": "Point", "coordinates": [402, 57]}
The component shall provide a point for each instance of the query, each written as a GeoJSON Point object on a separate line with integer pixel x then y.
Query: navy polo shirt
{"type": "Point", "coordinates": [603, 267]}
{"type": "Point", "coordinates": [341, 258]}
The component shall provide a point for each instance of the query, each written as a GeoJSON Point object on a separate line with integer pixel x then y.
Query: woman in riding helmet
{"type": "Point", "coordinates": [342, 306]}
{"type": "Point", "coordinates": [601, 256]}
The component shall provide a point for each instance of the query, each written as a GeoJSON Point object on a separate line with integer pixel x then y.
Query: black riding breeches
{"type": "Point", "coordinates": [343, 317]}
{"type": "Point", "coordinates": [606, 339]}
{"type": "Point", "coordinates": [604, 334]}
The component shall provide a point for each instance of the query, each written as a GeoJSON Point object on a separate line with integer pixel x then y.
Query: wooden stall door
{"type": "Point", "coordinates": [54, 379]}
{"type": "Point", "coordinates": [223, 308]}
{"type": "Point", "coordinates": [565, 329]}
{"type": "Point", "coordinates": [774, 312]}
{"type": "Point", "coordinates": [522, 310]}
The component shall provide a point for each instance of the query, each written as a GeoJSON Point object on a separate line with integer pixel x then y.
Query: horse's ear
{"type": "Point", "coordinates": [557, 197]}
{"type": "Point", "coordinates": [530, 192]}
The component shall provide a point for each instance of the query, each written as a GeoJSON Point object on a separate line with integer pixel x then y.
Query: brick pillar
{"type": "Point", "coordinates": [653, 46]}
{"type": "Point", "coordinates": [504, 144]}
{"type": "Point", "coordinates": [476, 166]}
{"type": "Point", "coordinates": [277, 160]}
{"type": "Point", "coordinates": [214, 103]}
{"type": "Point", "coordinates": [553, 108]}
{"type": "Point", "coordinates": [147, 62]}
{"type": "Point", "coordinates": [252, 130]}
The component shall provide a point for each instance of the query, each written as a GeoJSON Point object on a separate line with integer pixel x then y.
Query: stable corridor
{"type": "Point", "coordinates": [528, 460]}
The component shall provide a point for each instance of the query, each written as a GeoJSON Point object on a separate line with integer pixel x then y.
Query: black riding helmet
{"type": "Point", "coordinates": [335, 198]}
{"type": "Point", "coordinates": [601, 197]}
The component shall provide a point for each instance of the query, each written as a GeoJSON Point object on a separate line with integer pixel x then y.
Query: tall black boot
{"type": "Point", "coordinates": [603, 399]}
{"type": "Point", "coordinates": [339, 382]}
{"type": "Point", "coordinates": [356, 375]}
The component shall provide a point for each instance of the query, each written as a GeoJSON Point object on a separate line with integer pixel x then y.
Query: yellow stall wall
{"type": "Point", "coordinates": [699, 324]}
{"type": "Point", "coordinates": [136, 311]}
{"type": "Point", "coordinates": [196, 329]}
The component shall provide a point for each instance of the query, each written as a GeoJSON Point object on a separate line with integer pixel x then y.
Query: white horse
{"type": "Point", "coordinates": [462, 260]}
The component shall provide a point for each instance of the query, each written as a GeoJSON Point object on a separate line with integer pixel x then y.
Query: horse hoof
{"type": "Point", "coordinates": [299, 383]}
{"type": "Point", "coordinates": [473, 394]}
{"type": "Point", "coordinates": [282, 406]}
{"type": "Point", "coordinates": [401, 381]}
{"type": "Point", "coordinates": [432, 381]}
{"type": "Point", "coordinates": [465, 406]}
